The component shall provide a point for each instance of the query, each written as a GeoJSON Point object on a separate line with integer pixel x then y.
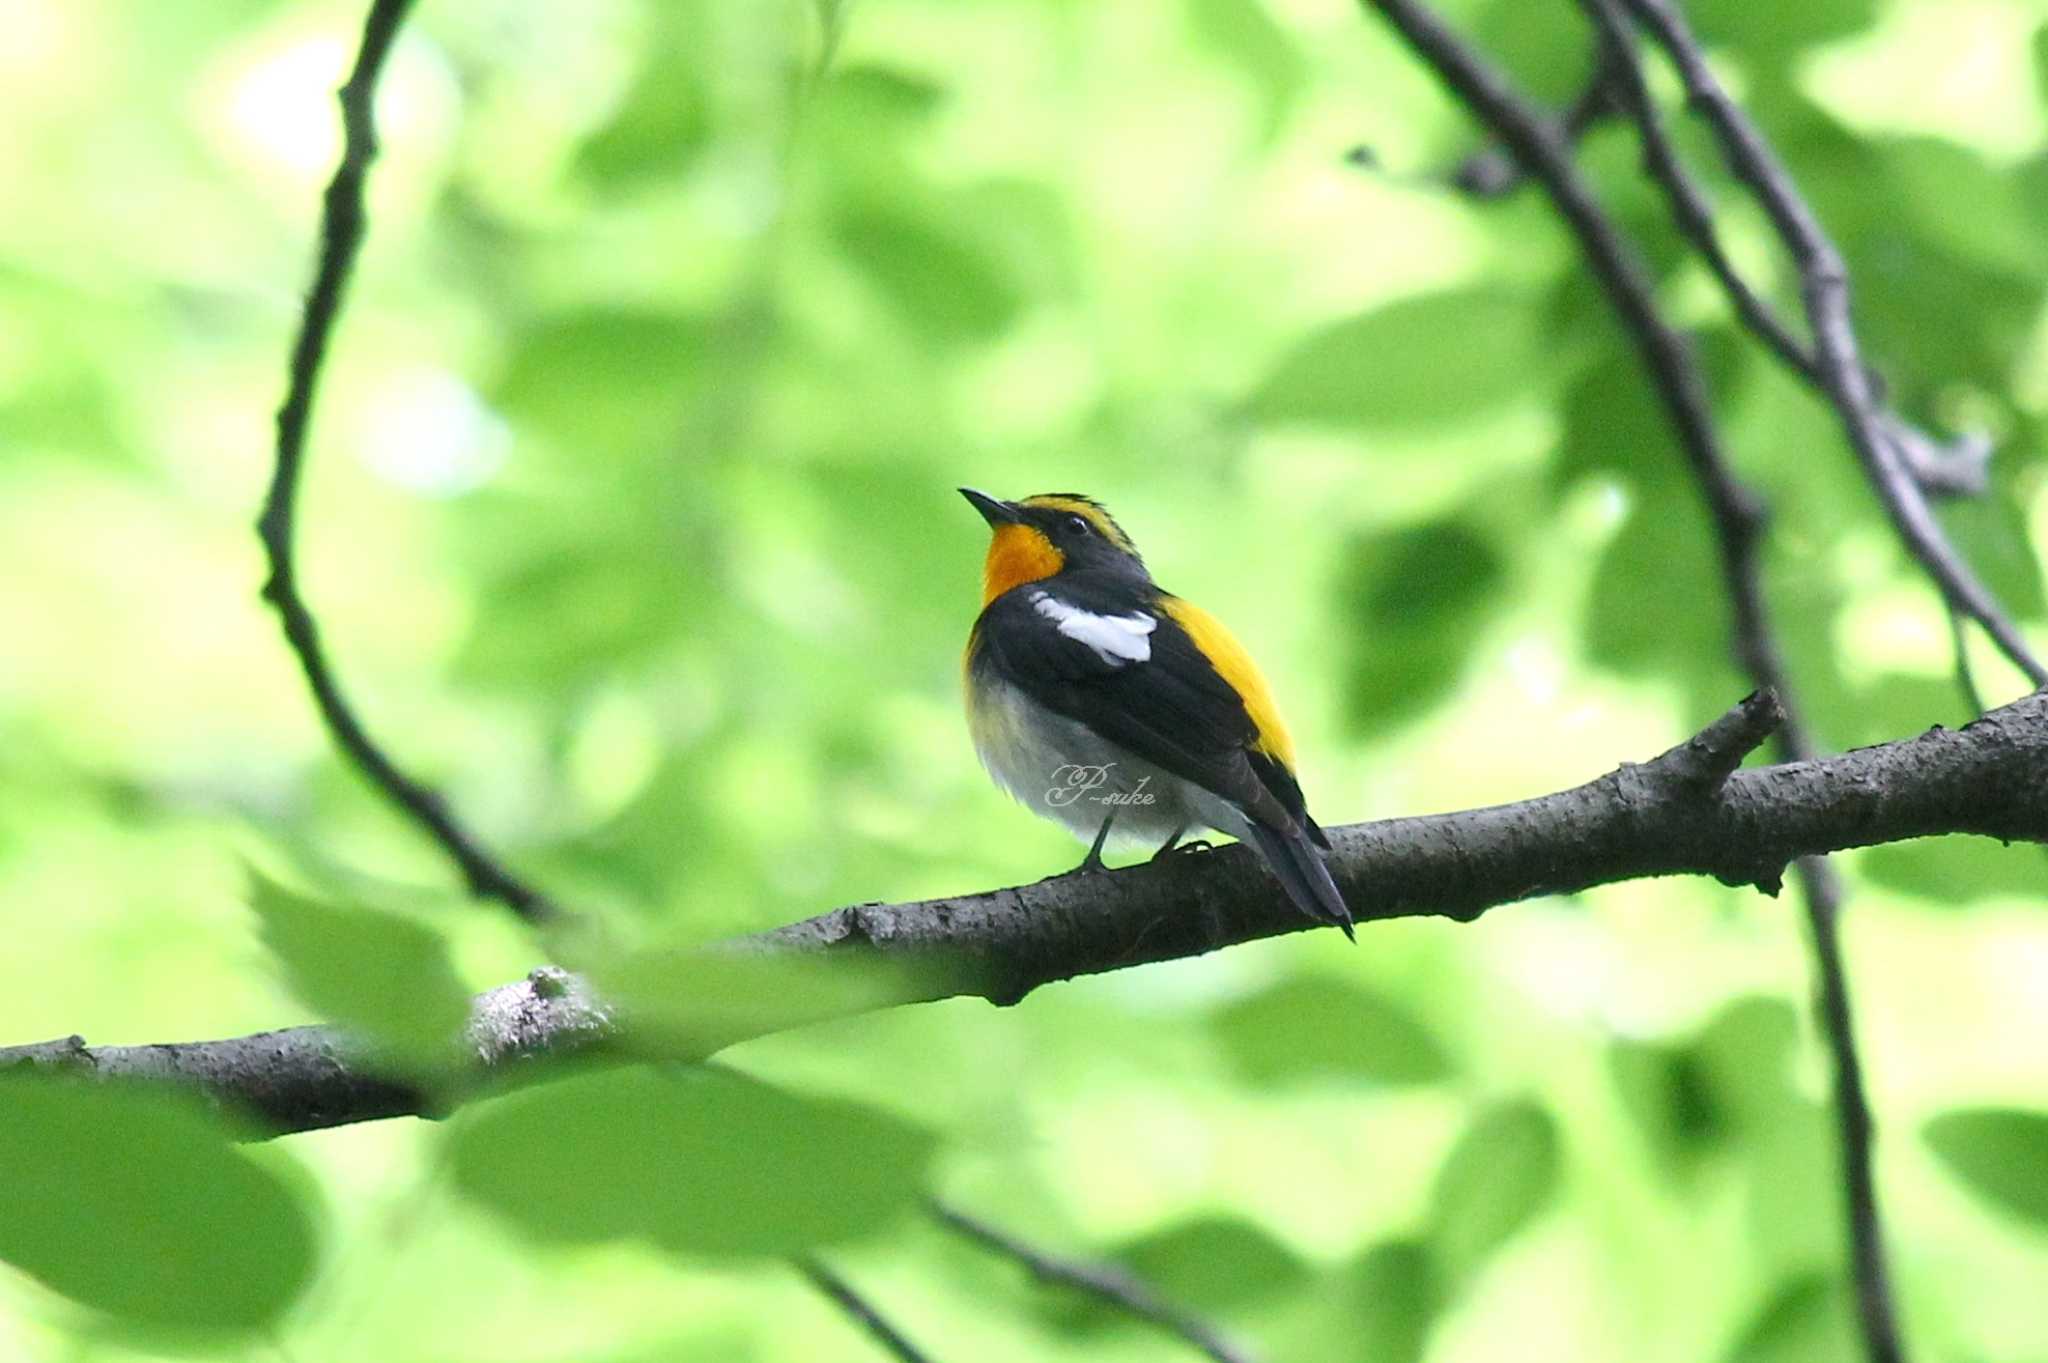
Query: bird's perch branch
{"type": "Point", "coordinates": [1671, 816]}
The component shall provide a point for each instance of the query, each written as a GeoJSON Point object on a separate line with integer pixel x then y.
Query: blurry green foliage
{"type": "Point", "coordinates": [696, 1161]}
{"type": "Point", "coordinates": [136, 1204]}
{"type": "Point", "coordinates": [2001, 1154]}
{"type": "Point", "coordinates": [1807, 1320]}
{"type": "Point", "coordinates": [1436, 358]}
{"type": "Point", "coordinates": [1499, 1175]}
{"type": "Point", "coordinates": [382, 975]}
{"type": "Point", "coordinates": [1423, 595]}
{"type": "Point", "coordinates": [1394, 1293]}
{"type": "Point", "coordinates": [1312, 1027]}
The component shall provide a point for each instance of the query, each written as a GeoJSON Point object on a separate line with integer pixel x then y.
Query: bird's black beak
{"type": "Point", "coordinates": [992, 511]}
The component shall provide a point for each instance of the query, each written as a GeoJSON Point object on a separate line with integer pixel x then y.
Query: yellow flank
{"type": "Point", "coordinates": [1017, 554]}
{"type": "Point", "coordinates": [1235, 666]}
{"type": "Point", "coordinates": [1088, 511]}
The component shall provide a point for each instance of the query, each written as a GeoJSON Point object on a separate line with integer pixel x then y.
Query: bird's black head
{"type": "Point", "coordinates": [1051, 533]}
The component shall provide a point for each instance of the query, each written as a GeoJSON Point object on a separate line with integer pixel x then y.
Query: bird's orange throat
{"type": "Point", "coordinates": [1017, 554]}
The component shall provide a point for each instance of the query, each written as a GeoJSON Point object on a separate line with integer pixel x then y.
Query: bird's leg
{"type": "Point", "coordinates": [1173, 844]}
{"type": "Point", "coordinates": [1093, 861]}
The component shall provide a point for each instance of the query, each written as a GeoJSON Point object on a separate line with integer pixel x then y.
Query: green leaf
{"type": "Point", "coordinates": [1954, 196]}
{"type": "Point", "coordinates": [1777, 33]}
{"type": "Point", "coordinates": [1216, 1262]}
{"type": "Point", "coordinates": [946, 286]}
{"type": "Point", "coordinates": [1670, 1099]}
{"type": "Point", "coordinates": [607, 377]}
{"type": "Point", "coordinates": [1243, 34]}
{"type": "Point", "coordinates": [1418, 599]}
{"type": "Point", "coordinates": [1499, 1175]}
{"type": "Point", "coordinates": [1991, 532]}
{"type": "Point", "coordinates": [133, 1203]}
{"type": "Point", "coordinates": [2001, 1154]}
{"type": "Point", "coordinates": [697, 1161]}
{"type": "Point", "coordinates": [691, 1003]}
{"type": "Point", "coordinates": [1440, 358]}
{"type": "Point", "coordinates": [1805, 1321]}
{"type": "Point", "coordinates": [664, 121]}
{"type": "Point", "coordinates": [1311, 1028]}
{"type": "Point", "coordinates": [1395, 1294]}
{"type": "Point", "coordinates": [1656, 605]}
{"type": "Point", "coordinates": [1546, 48]}
{"type": "Point", "coordinates": [374, 972]}
{"type": "Point", "coordinates": [1745, 1051]}
{"type": "Point", "coordinates": [1959, 869]}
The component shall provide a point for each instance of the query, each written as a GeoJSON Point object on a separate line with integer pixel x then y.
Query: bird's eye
{"type": "Point", "coordinates": [1079, 524]}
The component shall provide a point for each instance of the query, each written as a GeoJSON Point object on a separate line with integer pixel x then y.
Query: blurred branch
{"type": "Point", "coordinates": [1494, 172]}
{"type": "Point", "coordinates": [1688, 812]}
{"type": "Point", "coordinates": [1735, 511]}
{"type": "Point", "coordinates": [1837, 357]}
{"type": "Point", "coordinates": [1105, 1282]}
{"type": "Point", "coordinates": [341, 235]}
{"type": "Point", "coordinates": [1957, 468]}
{"type": "Point", "coordinates": [863, 1313]}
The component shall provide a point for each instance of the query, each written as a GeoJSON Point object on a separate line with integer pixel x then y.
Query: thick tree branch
{"type": "Point", "coordinates": [1666, 817]}
{"type": "Point", "coordinates": [1105, 1282]}
{"type": "Point", "coordinates": [341, 236]}
{"type": "Point", "coordinates": [1837, 355]}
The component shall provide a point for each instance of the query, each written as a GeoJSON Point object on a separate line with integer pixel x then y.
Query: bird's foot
{"type": "Point", "coordinates": [1181, 849]}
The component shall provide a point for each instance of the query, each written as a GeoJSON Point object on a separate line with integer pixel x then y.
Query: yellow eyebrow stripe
{"type": "Point", "coordinates": [1235, 666]}
{"type": "Point", "coordinates": [1089, 511]}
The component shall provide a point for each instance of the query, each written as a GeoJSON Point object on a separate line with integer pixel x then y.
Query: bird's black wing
{"type": "Point", "coordinates": [1169, 707]}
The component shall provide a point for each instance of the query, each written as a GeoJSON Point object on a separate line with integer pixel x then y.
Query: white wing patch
{"type": "Point", "coordinates": [1116, 639]}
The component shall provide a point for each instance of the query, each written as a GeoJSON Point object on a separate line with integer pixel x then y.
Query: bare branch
{"type": "Point", "coordinates": [1837, 355]}
{"type": "Point", "coordinates": [1662, 818]}
{"type": "Point", "coordinates": [1736, 516]}
{"type": "Point", "coordinates": [1105, 1282]}
{"type": "Point", "coordinates": [1957, 468]}
{"type": "Point", "coordinates": [341, 234]}
{"type": "Point", "coordinates": [863, 1312]}
{"type": "Point", "coordinates": [1495, 172]}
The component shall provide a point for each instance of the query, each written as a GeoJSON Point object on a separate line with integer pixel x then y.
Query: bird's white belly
{"type": "Point", "coordinates": [1064, 771]}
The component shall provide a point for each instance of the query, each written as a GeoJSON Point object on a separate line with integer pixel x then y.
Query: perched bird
{"type": "Point", "coordinates": [1096, 698]}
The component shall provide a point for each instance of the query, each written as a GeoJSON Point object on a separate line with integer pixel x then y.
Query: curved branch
{"type": "Point", "coordinates": [341, 236]}
{"type": "Point", "coordinates": [1671, 816]}
{"type": "Point", "coordinates": [1844, 378]}
{"type": "Point", "coordinates": [1104, 1282]}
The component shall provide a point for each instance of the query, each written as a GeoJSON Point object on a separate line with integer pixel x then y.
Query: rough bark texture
{"type": "Point", "coordinates": [1682, 814]}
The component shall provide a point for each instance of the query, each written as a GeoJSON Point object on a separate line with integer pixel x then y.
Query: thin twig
{"type": "Point", "coordinates": [1966, 676]}
{"type": "Point", "coordinates": [1737, 520]}
{"type": "Point", "coordinates": [1105, 1282]}
{"type": "Point", "coordinates": [1493, 172]}
{"type": "Point", "coordinates": [341, 235]}
{"type": "Point", "coordinates": [861, 1311]}
{"type": "Point", "coordinates": [1844, 378]}
{"type": "Point", "coordinates": [1959, 468]}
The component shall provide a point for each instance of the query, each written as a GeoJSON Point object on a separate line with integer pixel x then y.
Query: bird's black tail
{"type": "Point", "coordinates": [1299, 866]}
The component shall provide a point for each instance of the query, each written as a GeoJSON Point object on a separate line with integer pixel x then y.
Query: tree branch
{"type": "Point", "coordinates": [1736, 515]}
{"type": "Point", "coordinates": [341, 234]}
{"type": "Point", "coordinates": [1666, 817]}
{"type": "Point", "coordinates": [1837, 357]}
{"type": "Point", "coordinates": [862, 1312]}
{"type": "Point", "coordinates": [1105, 1282]}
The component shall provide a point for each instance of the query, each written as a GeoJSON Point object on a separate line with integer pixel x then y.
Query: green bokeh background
{"type": "Point", "coordinates": [630, 520]}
